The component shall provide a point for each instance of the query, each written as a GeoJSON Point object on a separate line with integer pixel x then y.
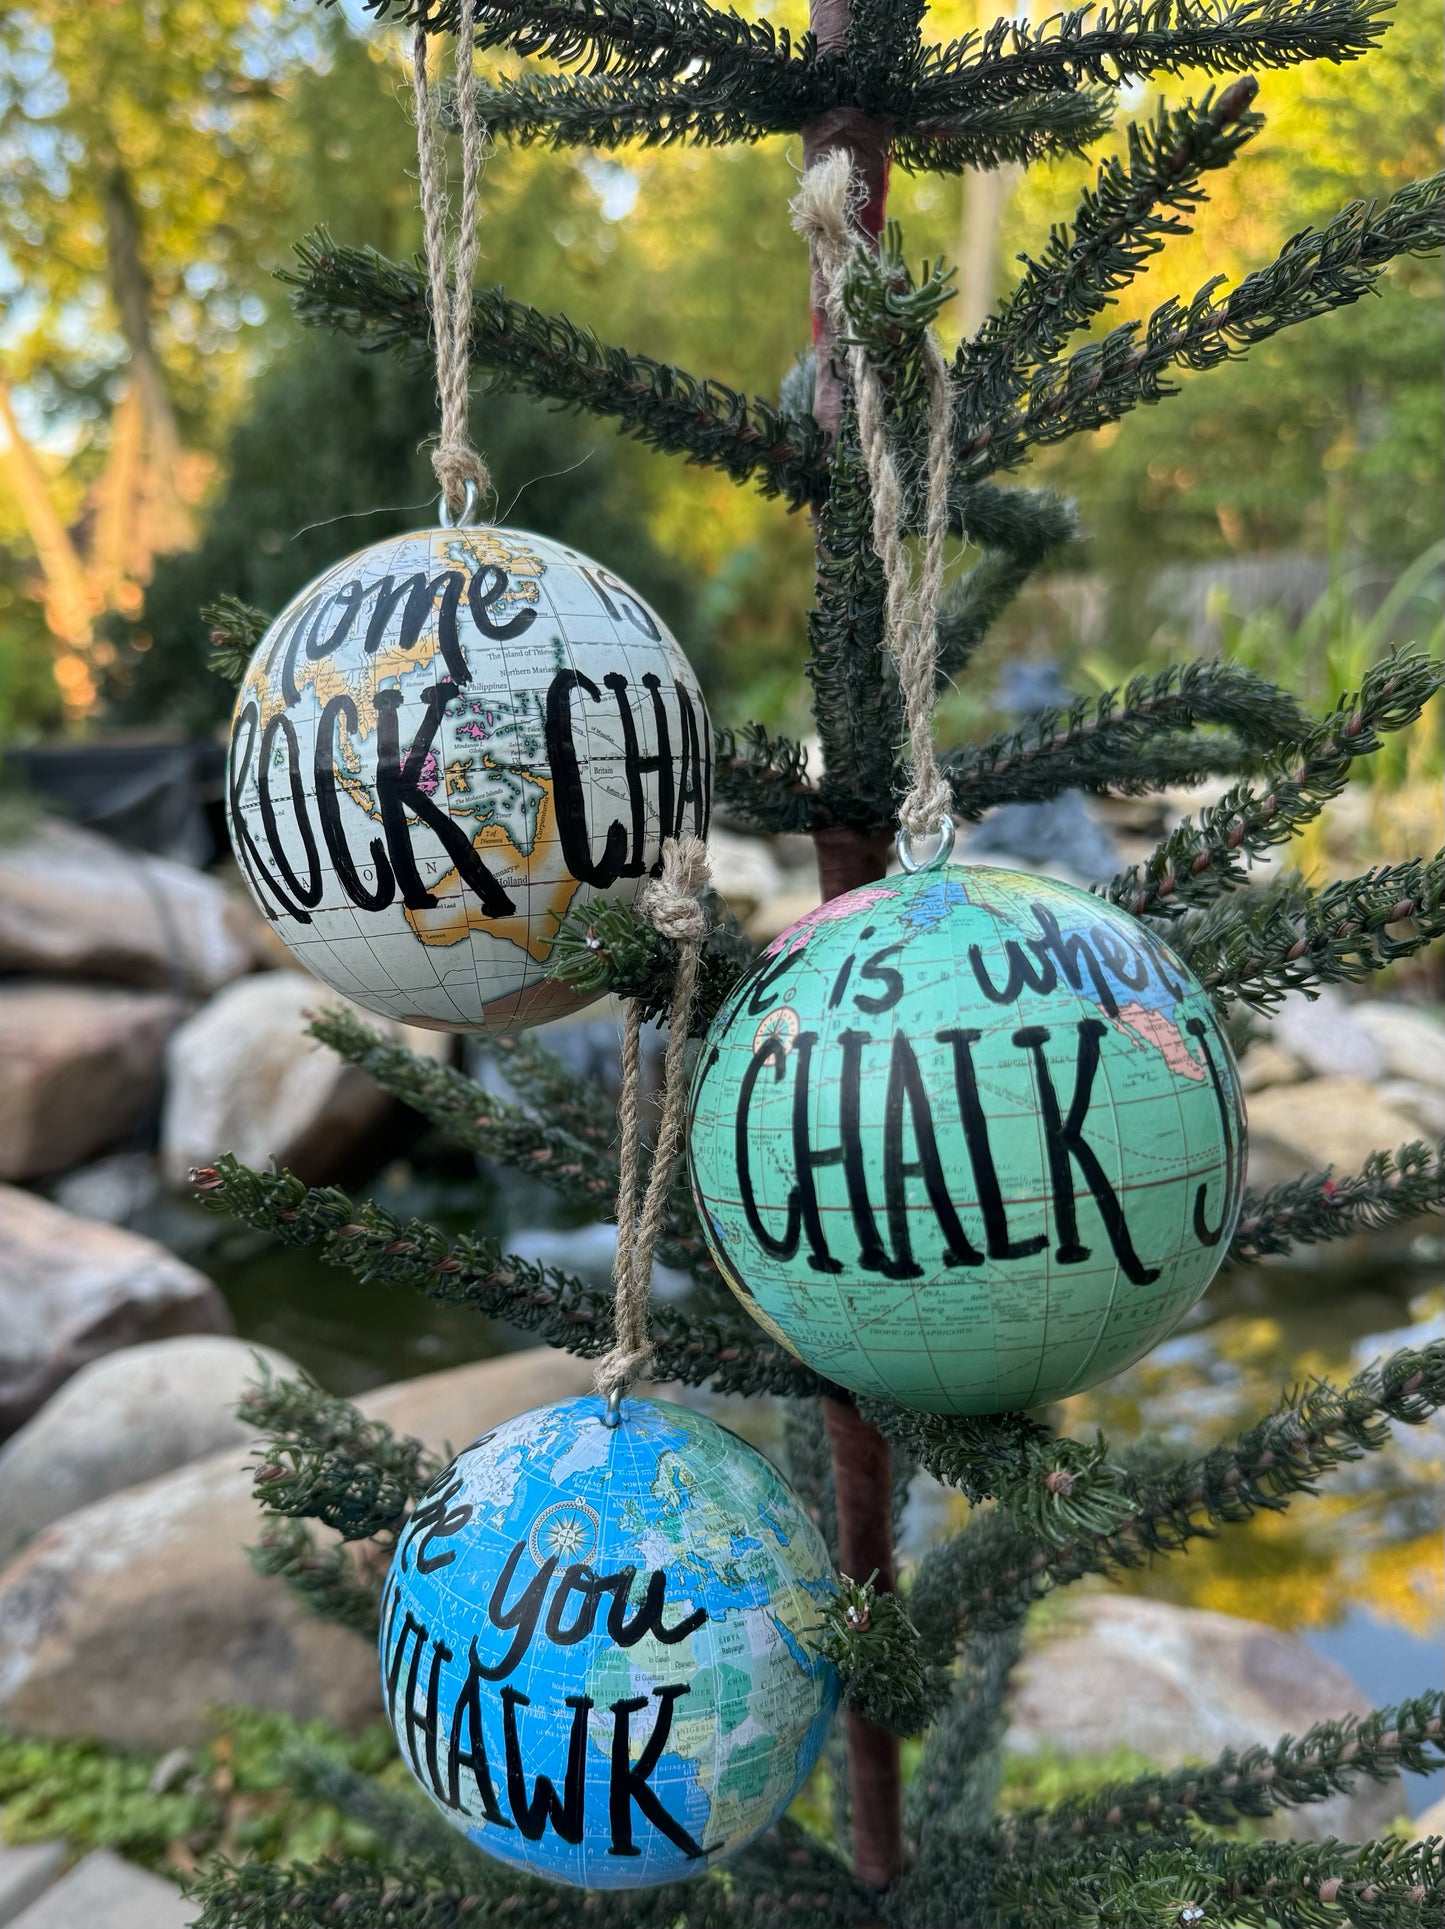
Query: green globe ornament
{"type": "Point", "coordinates": [967, 1139]}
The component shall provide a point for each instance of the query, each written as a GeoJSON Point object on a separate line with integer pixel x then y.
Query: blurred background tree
{"type": "Point", "coordinates": [152, 360]}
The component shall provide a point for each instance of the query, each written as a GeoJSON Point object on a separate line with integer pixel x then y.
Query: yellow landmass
{"type": "Point", "coordinates": [450, 923]}
{"type": "Point", "coordinates": [361, 676]}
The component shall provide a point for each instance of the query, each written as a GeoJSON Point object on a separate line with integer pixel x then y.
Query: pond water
{"type": "Point", "coordinates": [1356, 1572]}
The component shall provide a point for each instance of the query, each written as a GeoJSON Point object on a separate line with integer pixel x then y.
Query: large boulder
{"type": "Point", "coordinates": [1412, 1041]}
{"type": "Point", "coordinates": [73, 904]}
{"type": "Point", "coordinates": [122, 1420]}
{"type": "Point", "coordinates": [244, 1077]}
{"type": "Point", "coordinates": [132, 1616]}
{"type": "Point", "coordinates": [1181, 1685]}
{"type": "Point", "coordinates": [72, 1289]}
{"type": "Point", "coordinates": [80, 1068]}
{"type": "Point", "coordinates": [1326, 1121]}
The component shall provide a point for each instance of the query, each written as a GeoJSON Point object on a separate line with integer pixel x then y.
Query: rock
{"type": "Point", "coordinates": [244, 1077]}
{"type": "Point", "coordinates": [80, 1068]}
{"type": "Point", "coordinates": [26, 1870]}
{"type": "Point", "coordinates": [744, 871]}
{"type": "Point", "coordinates": [1430, 1823]}
{"type": "Point", "coordinates": [104, 1890]}
{"type": "Point", "coordinates": [1412, 1042]}
{"type": "Point", "coordinates": [124, 1419]}
{"type": "Point", "coordinates": [114, 1188]}
{"type": "Point", "coordinates": [72, 1289]}
{"type": "Point", "coordinates": [1425, 1104]}
{"type": "Point", "coordinates": [1179, 1684]}
{"type": "Point", "coordinates": [73, 904]}
{"type": "Point", "coordinates": [1329, 1121]}
{"type": "Point", "coordinates": [1264, 1065]}
{"type": "Point", "coordinates": [1328, 1038]}
{"type": "Point", "coordinates": [1060, 838]}
{"type": "Point", "coordinates": [132, 1616]}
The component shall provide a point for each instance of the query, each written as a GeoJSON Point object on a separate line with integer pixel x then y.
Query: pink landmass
{"type": "Point", "coordinates": [1153, 1028]}
{"type": "Point", "coordinates": [797, 935]}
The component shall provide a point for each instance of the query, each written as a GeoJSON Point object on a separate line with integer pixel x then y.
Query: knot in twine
{"type": "Point", "coordinates": [822, 211]}
{"type": "Point", "coordinates": [451, 262]}
{"type": "Point", "coordinates": [670, 905]}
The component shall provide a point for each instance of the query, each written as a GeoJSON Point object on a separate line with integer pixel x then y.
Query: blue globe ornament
{"type": "Point", "coordinates": [598, 1643]}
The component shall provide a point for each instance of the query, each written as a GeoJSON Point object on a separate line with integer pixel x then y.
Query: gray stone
{"type": "Point", "coordinates": [73, 904]}
{"type": "Point", "coordinates": [1328, 1037]}
{"type": "Point", "coordinates": [80, 1069]}
{"type": "Point", "coordinates": [73, 1289]}
{"type": "Point", "coordinates": [1425, 1104]}
{"type": "Point", "coordinates": [131, 1617]}
{"type": "Point", "coordinates": [1265, 1064]}
{"type": "Point", "coordinates": [104, 1892]}
{"type": "Point", "coordinates": [1327, 1121]}
{"type": "Point", "coordinates": [1180, 1684]}
{"type": "Point", "coordinates": [124, 1419]}
{"type": "Point", "coordinates": [27, 1869]}
{"type": "Point", "coordinates": [1059, 838]}
{"type": "Point", "coordinates": [1413, 1042]}
{"type": "Point", "coordinates": [114, 1188]}
{"type": "Point", "coordinates": [244, 1077]}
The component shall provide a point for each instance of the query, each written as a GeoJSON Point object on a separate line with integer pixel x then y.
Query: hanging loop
{"type": "Point", "coordinates": [935, 859]}
{"type": "Point", "coordinates": [468, 511]}
{"type": "Point", "coordinates": [612, 1415]}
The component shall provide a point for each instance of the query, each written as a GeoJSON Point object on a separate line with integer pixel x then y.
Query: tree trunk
{"type": "Point", "coordinates": [133, 295]}
{"type": "Point", "coordinates": [847, 858]}
{"type": "Point", "coordinates": [69, 611]}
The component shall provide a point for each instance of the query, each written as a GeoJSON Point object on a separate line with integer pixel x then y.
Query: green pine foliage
{"type": "Point", "coordinates": [1141, 1850]}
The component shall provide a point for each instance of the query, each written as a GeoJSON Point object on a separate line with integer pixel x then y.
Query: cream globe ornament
{"type": "Point", "coordinates": [598, 1643]}
{"type": "Point", "coordinates": [968, 1139]}
{"type": "Point", "coordinates": [442, 746]}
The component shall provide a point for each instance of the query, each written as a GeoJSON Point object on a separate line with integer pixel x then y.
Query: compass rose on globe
{"type": "Point", "coordinates": [566, 1532]}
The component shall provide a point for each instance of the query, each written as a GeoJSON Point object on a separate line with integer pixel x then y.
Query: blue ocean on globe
{"type": "Point", "coordinates": [598, 1644]}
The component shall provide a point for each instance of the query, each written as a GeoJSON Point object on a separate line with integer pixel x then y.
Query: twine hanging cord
{"type": "Point", "coordinates": [670, 905]}
{"type": "Point", "coordinates": [823, 211]}
{"type": "Point", "coordinates": [451, 259]}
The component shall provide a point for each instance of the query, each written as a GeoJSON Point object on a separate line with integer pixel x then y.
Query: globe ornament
{"type": "Point", "coordinates": [967, 1139]}
{"type": "Point", "coordinates": [440, 748]}
{"type": "Point", "coordinates": [596, 1643]}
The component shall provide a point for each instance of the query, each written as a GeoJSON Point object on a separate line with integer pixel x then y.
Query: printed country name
{"type": "Point", "coordinates": [443, 1734]}
{"type": "Point", "coordinates": [668, 788]}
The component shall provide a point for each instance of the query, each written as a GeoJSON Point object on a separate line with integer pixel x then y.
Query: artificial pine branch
{"type": "Point", "coordinates": [235, 629]}
{"type": "Point", "coordinates": [607, 947]}
{"type": "Point", "coordinates": [870, 1640]}
{"type": "Point", "coordinates": [566, 1136]}
{"type": "Point", "coordinates": [1263, 1885]}
{"type": "Point", "coordinates": [1114, 741]}
{"type": "Point", "coordinates": [1138, 202]}
{"type": "Point", "coordinates": [1135, 38]}
{"type": "Point", "coordinates": [980, 1577]}
{"type": "Point", "coordinates": [660, 37]}
{"type": "Point", "coordinates": [1033, 523]}
{"type": "Point", "coordinates": [1327, 1760]}
{"type": "Point", "coordinates": [762, 781]}
{"type": "Point", "coordinates": [716, 1342]}
{"type": "Point", "coordinates": [1391, 1189]}
{"type": "Point", "coordinates": [581, 1170]}
{"type": "Point", "coordinates": [384, 305]}
{"type": "Point", "coordinates": [323, 1460]}
{"type": "Point", "coordinates": [1319, 270]}
{"type": "Point", "coordinates": [606, 111]}
{"type": "Point", "coordinates": [951, 1800]}
{"type": "Point", "coordinates": [1292, 938]}
{"type": "Point", "coordinates": [325, 1579]}
{"type": "Point", "coordinates": [1209, 855]}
